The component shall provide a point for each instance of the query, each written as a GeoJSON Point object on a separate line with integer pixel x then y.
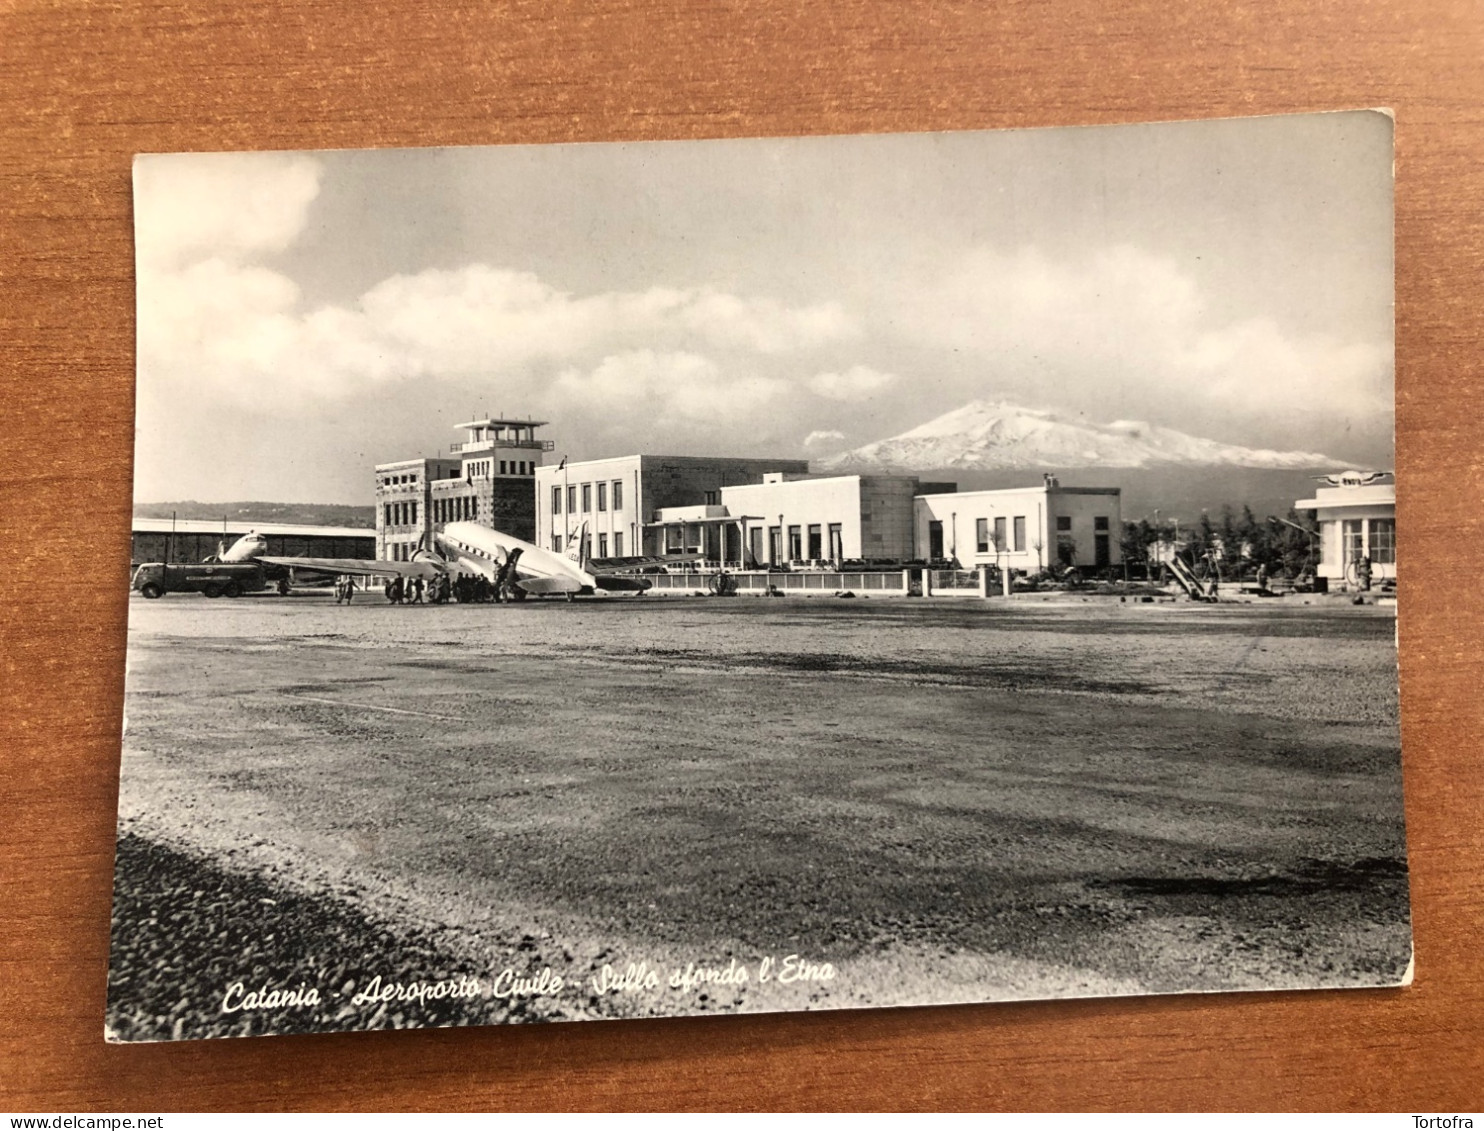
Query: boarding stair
{"type": "Point", "coordinates": [1194, 587]}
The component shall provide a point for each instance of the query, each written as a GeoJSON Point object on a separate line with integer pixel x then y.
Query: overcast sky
{"type": "Point", "coordinates": [305, 316]}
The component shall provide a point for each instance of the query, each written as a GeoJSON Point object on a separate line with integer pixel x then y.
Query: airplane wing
{"type": "Point", "coordinates": [631, 565]}
{"type": "Point", "coordinates": [361, 567]}
{"type": "Point", "coordinates": [549, 586]}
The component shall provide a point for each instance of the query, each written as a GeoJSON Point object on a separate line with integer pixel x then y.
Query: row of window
{"type": "Point", "coordinates": [394, 480]}
{"type": "Point", "coordinates": [462, 508]}
{"type": "Point", "coordinates": [1009, 533]}
{"type": "Point", "coordinates": [400, 514]}
{"type": "Point", "coordinates": [400, 551]}
{"type": "Point", "coordinates": [1377, 543]}
{"type": "Point", "coordinates": [459, 508]}
{"type": "Point", "coordinates": [486, 467]}
{"type": "Point", "coordinates": [587, 494]}
{"type": "Point", "coordinates": [1002, 532]}
{"type": "Point", "coordinates": [558, 544]}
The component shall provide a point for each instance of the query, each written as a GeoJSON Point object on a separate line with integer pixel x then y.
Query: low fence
{"type": "Point", "coordinates": [815, 582]}
{"type": "Point", "coordinates": [953, 583]}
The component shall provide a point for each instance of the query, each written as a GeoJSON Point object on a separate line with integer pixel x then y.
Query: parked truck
{"type": "Point", "coordinates": [211, 579]}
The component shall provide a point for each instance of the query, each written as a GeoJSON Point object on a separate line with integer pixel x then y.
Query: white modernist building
{"type": "Point", "coordinates": [632, 504]}
{"type": "Point", "coordinates": [773, 514]}
{"type": "Point", "coordinates": [815, 521]}
{"type": "Point", "coordinates": [1357, 523]}
{"type": "Point", "coordinates": [1022, 528]}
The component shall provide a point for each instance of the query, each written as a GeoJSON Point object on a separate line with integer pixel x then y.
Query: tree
{"type": "Point", "coordinates": [1294, 548]}
{"type": "Point", "coordinates": [1140, 540]}
{"type": "Point", "coordinates": [1231, 539]}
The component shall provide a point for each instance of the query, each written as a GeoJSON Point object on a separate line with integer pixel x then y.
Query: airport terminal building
{"type": "Point", "coordinates": [773, 514]}
{"type": "Point", "coordinates": [816, 521]}
{"type": "Point", "coordinates": [734, 512]}
{"type": "Point", "coordinates": [488, 478]}
{"type": "Point", "coordinates": [621, 500]}
{"type": "Point", "coordinates": [1026, 529]}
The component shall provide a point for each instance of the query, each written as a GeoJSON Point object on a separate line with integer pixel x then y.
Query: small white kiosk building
{"type": "Point", "coordinates": [1357, 523]}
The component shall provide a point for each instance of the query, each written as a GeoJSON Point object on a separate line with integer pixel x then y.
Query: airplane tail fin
{"type": "Point", "coordinates": [429, 550]}
{"type": "Point", "coordinates": [577, 547]}
{"type": "Point", "coordinates": [251, 545]}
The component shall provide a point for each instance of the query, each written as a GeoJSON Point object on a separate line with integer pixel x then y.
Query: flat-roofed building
{"type": "Point", "coordinates": [1357, 523]}
{"type": "Point", "coordinates": [818, 520]}
{"type": "Point", "coordinates": [620, 500]}
{"type": "Point", "coordinates": [1022, 528]}
{"type": "Point", "coordinates": [195, 540]}
{"type": "Point", "coordinates": [489, 478]}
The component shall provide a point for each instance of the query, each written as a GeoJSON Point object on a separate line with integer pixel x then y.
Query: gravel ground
{"type": "Point", "coordinates": [185, 930]}
{"type": "Point", "coordinates": [943, 801]}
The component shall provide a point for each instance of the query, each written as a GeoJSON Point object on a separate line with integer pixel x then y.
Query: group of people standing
{"type": "Point", "coordinates": [416, 591]}
{"type": "Point", "coordinates": [438, 590]}
{"type": "Point", "coordinates": [477, 589]}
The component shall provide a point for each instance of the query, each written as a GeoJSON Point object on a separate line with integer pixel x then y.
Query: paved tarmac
{"type": "Point", "coordinates": [920, 800]}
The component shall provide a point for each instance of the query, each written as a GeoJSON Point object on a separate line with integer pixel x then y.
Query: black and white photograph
{"type": "Point", "coordinates": [617, 580]}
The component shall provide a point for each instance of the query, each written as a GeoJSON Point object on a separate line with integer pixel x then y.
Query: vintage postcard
{"type": "Point", "coordinates": [629, 580]}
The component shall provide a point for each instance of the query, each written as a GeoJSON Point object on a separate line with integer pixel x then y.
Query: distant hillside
{"type": "Point", "coordinates": [304, 514]}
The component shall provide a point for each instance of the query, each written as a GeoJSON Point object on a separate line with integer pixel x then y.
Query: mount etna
{"type": "Point", "coordinates": [992, 444]}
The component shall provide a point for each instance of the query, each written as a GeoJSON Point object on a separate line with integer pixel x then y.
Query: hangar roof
{"type": "Point", "coordinates": [204, 526]}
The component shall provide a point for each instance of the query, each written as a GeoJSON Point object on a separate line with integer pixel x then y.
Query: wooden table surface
{"type": "Point", "coordinates": [84, 86]}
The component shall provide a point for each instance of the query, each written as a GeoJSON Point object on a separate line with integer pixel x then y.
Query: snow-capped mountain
{"type": "Point", "coordinates": [985, 435]}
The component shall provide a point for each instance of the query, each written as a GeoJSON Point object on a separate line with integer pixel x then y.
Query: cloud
{"type": "Point", "coordinates": [226, 206]}
{"type": "Point", "coordinates": [830, 437]}
{"type": "Point", "coordinates": [236, 330]}
{"type": "Point", "coordinates": [857, 381]}
{"type": "Point", "coordinates": [684, 393]}
{"type": "Point", "coordinates": [1129, 331]}
{"type": "Point", "coordinates": [218, 326]}
{"type": "Point", "coordinates": [765, 325]}
{"type": "Point", "coordinates": [1254, 359]}
{"type": "Point", "coordinates": [1115, 332]}
{"type": "Point", "coordinates": [464, 319]}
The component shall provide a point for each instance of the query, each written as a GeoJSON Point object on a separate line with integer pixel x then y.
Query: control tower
{"type": "Point", "coordinates": [489, 478]}
{"type": "Point", "coordinates": [498, 462]}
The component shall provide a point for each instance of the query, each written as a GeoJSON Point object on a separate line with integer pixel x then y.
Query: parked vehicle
{"type": "Point", "coordinates": [211, 579]}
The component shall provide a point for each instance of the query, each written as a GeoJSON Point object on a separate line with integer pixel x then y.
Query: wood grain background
{"type": "Point", "coordinates": [84, 86]}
